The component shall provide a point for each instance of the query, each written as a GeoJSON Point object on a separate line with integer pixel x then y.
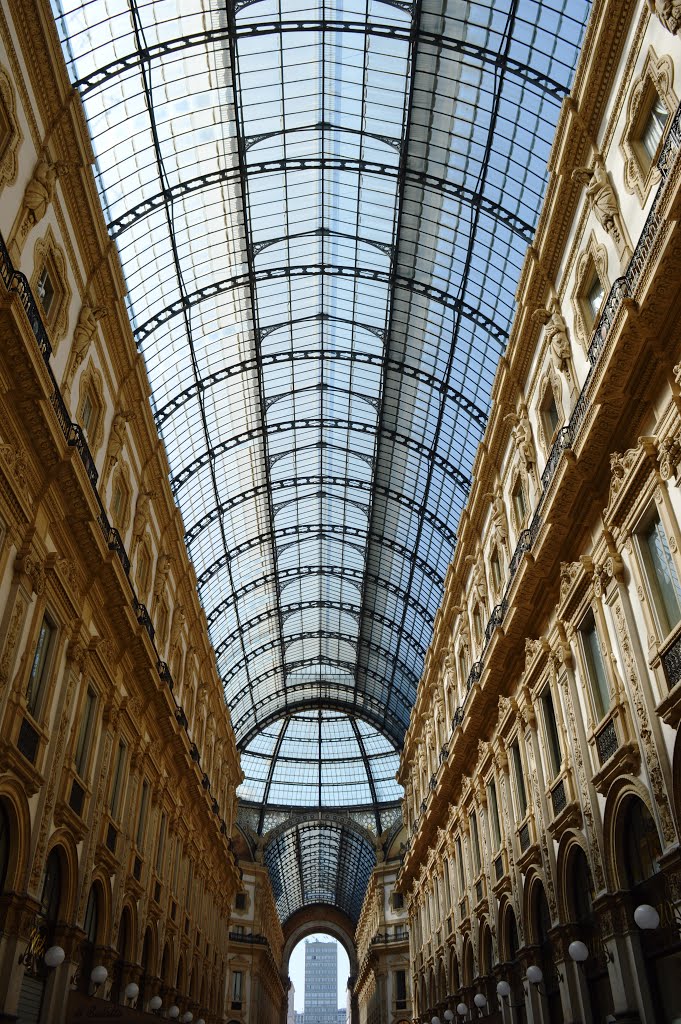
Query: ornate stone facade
{"type": "Point", "coordinates": [118, 772]}
{"type": "Point", "coordinates": [544, 806]}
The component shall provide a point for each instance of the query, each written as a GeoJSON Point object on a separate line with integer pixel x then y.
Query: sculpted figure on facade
{"type": "Point", "coordinates": [669, 13]}
{"type": "Point", "coordinates": [498, 512]}
{"type": "Point", "coordinates": [142, 513]}
{"type": "Point", "coordinates": [604, 203]}
{"type": "Point", "coordinates": [83, 336]}
{"type": "Point", "coordinates": [40, 189]}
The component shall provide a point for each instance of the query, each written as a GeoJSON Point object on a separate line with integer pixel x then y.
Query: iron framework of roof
{"type": "Point", "coordinates": [322, 211]}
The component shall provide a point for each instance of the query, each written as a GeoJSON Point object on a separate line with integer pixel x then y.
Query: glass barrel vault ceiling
{"type": "Point", "coordinates": [321, 208]}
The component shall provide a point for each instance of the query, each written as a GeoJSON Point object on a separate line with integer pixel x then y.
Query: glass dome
{"type": "Point", "coordinates": [319, 759]}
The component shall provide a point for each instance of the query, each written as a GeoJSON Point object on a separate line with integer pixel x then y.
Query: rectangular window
{"type": "Point", "coordinates": [496, 570]}
{"type": "Point", "coordinates": [595, 667]}
{"type": "Point", "coordinates": [477, 623]}
{"type": "Point", "coordinates": [401, 989]}
{"type": "Point", "coordinates": [519, 780]}
{"type": "Point", "coordinates": [85, 733]}
{"type": "Point", "coordinates": [551, 727]}
{"type": "Point", "coordinates": [551, 416]}
{"type": "Point", "coordinates": [448, 884]}
{"type": "Point", "coordinates": [475, 841]}
{"type": "Point", "coordinates": [237, 979]}
{"type": "Point", "coordinates": [594, 297]}
{"type": "Point", "coordinates": [142, 819]}
{"type": "Point", "coordinates": [86, 413]}
{"type": "Point", "coordinates": [519, 503]}
{"type": "Point", "coordinates": [45, 290]}
{"type": "Point", "coordinates": [37, 681]}
{"type": "Point", "coordinates": [398, 901]}
{"type": "Point", "coordinates": [176, 867]}
{"type": "Point", "coordinates": [459, 860]}
{"type": "Point", "coordinates": [653, 129]}
{"type": "Point", "coordinates": [495, 824]}
{"type": "Point", "coordinates": [160, 849]}
{"type": "Point", "coordinates": [190, 882]}
{"type": "Point", "coordinates": [662, 575]}
{"type": "Point", "coordinates": [117, 500]}
{"type": "Point", "coordinates": [117, 786]}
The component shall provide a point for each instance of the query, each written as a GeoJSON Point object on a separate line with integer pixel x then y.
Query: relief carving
{"type": "Point", "coordinates": [645, 731]}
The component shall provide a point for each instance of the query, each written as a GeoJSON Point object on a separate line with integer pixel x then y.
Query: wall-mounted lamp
{"type": "Point", "coordinates": [462, 1010]}
{"type": "Point", "coordinates": [449, 1016]}
{"type": "Point", "coordinates": [578, 951]}
{"type": "Point", "coordinates": [98, 976]}
{"type": "Point", "coordinates": [503, 989]}
{"type": "Point", "coordinates": [480, 1000]}
{"type": "Point", "coordinates": [54, 956]}
{"type": "Point", "coordinates": [200, 1021]}
{"type": "Point", "coordinates": [647, 917]}
{"type": "Point", "coordinates": [435, 1020]}
{"type": "Point", "coordinates": [132, 990]}
{"type": "Point", "coordinates": [155, 1003]}
{"type": "Point", "coordinates": [174, 1012]}
{"type": "Point", "coordinates": [187, 1017]}
{"type": "Point", "coordinates": [535, 975]}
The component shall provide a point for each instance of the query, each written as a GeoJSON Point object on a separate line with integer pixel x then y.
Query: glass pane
{"type": "Point", "coordinates": [665, 579]}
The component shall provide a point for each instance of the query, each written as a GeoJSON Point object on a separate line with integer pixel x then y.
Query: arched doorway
{"type": "Point", "coordinates": [35, 977]}
{"type": "Point", "coordinates": [638, 868]}
{"type": "Point", "coordinates": [541, 925]}
{"type": "Point", "coordinates": [580, 894]}
{"type": "Point", "coordinates": [511, 969]}
{"type": "Point", "coordinates": [91, 927]}
{"type": "Point", "coordinates": [146, 974]}
{"type": "Point", "coordinates": [123, 948]}
{"type": "Point", "coordinates": [319, 970]}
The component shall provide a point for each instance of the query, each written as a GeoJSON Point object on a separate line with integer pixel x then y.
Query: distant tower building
{"type": "Point", "coordinates": [321, 983]}
{"type": "Point", "coordinates": [342, 1015]}
{"type": "Point", "coordinates": [291, 1015]}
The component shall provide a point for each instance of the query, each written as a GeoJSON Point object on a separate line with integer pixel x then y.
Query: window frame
{"type": "Point", "coordinates": [660, 612]}
{"type": "Point", "coordinates": [590, 669]}
{"type": "Point", "coordinates": [35, 696]}
{"type": "Point", "coordinates": [553, 745]}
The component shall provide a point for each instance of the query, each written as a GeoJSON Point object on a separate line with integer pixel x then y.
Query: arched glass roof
{"type": "Point", "coordinates": [320, 862]}
{"type": "Point", "coordinates": [321, 209]}
{"type": "Point", "coordinates": [319, 759]}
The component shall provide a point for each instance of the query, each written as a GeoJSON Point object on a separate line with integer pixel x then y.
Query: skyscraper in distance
{"type": "Point", "coordinates": [321, 982]}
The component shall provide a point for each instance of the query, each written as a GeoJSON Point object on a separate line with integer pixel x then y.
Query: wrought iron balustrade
{"type": "Point", "coordinates": [558, 797]}
{"type": "Point", "coordinates": [606, 741]}
{"type": "Point", "coordinates": [671, 663]}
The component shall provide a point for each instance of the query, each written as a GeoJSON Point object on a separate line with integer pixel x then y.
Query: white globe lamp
{"type": "Point", "coordinates": [132, 990]}
{"type": "Point", "coordinates": [54, 956]}
{"type": "Point", "coordinates": [155, 1003]}
{"type": "Point", "coordinates": [535, 975]}
{"type": "Point", "coordinates": [98, 975]}
{"type": "Point", "coordinates": [503, 989]}
{"type": "Point", "coordinates": [449, 1015]}
{"type": "Point", "coordinates": [480, 1000]}
{"type": "Point", "coordinates": [578, 951]}
{"type": "Point", "coordinates": [187, 1017]}
{"type": "Point", "coordinates": [435, 1020]}
{"type": "Point", "coordinates": [647, 917]}
{"type": "Point", "coordinates": [174, 1012]}
{"type": "Point", "coordinates": [462, 1010]}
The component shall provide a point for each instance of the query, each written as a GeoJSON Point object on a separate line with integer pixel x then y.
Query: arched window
{"type": "Point", "coordinates": [641, 843]}
{"type": "Point", "coordinates": [179, 984]}
{"type": "Point", "coordinates": [4, 846]}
